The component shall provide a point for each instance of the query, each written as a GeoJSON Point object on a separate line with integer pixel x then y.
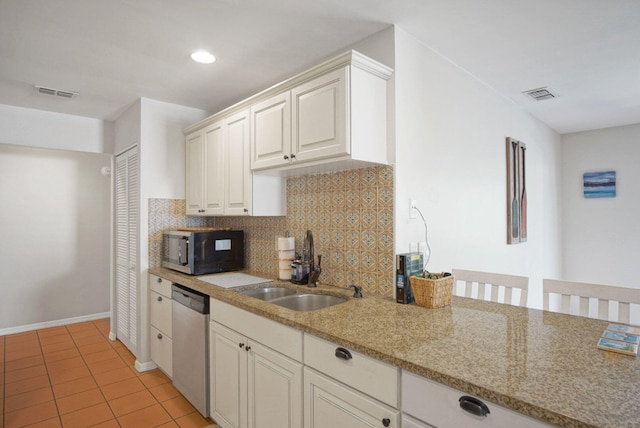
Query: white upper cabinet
{"type": "Point", "coordinates": [218, 178]}
{"type": "Point", "coordinates": [336, 112]}
{"type": "Point", "coordinates": [271, 131]}
{"type": "Point", "coordinates": [213, 168]}
{"type": "Point", "coordinates": [319, 125]}
{"type": "Point", "coordinates": [195, 173]}
{"type": "Point", "coordinates": [207, 179]}
{"type": "Point", "coordinates": [329, 118]}
{"type": "Point", "coordinates": [237, 184]}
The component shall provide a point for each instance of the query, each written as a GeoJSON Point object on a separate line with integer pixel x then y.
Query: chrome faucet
{"type": "Point", "coordinates": [309, 254]}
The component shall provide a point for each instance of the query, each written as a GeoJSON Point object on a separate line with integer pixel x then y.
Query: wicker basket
{"type": "Point", "coordinates": [432, 293]}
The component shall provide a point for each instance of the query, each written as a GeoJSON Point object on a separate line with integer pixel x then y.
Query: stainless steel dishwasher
{"type": "Point", "coordinates": [190, 335]}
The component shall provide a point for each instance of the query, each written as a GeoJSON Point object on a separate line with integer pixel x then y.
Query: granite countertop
{"type": "Point", "coordinates": [539, 363]}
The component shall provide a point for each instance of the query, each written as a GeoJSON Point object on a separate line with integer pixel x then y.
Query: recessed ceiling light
{"type": "Point", "coordinates": [203, 57]}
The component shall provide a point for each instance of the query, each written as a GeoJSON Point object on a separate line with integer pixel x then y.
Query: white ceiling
{"type": "Point", "coordinates": [115, 51]}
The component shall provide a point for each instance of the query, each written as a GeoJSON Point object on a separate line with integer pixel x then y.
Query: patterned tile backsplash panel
{"type": "Point", "coordinates": [350, 214]}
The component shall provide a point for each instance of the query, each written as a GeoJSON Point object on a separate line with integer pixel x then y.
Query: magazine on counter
{"type": "Point", "coordinates": [624, 329]}
{"type": "Point", "coordinates": [624, 339]}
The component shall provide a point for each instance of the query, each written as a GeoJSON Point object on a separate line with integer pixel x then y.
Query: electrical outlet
{"type": "Point", "coordinates": [422, 247]}
{"type": "Point", "coordinates": [412, 208]}
{"type": "Point", "coordinates": [413, 247]}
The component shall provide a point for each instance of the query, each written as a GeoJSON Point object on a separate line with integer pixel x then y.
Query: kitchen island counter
{"type": "Point", "coordinates": [542, 364]}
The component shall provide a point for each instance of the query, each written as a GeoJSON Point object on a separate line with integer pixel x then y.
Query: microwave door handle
{"type": "Point", "coordinates": [183, 247]}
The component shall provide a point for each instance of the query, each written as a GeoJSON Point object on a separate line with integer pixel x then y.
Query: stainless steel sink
{"type": "Point", "coordinates": [308, 302]}
{"type": "Point", "coordinates": [269, 293]}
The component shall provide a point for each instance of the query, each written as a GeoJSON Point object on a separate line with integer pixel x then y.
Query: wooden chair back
{"type": "Point", "coordinates": [584, 291]}
{"type": "Point", "coordinates": [494, 281]}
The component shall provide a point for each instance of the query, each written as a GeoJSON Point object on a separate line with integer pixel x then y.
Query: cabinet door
{"type": "Point", "coordinates": [319, 120]}
{"type": "Point", "coordinates": [214, 143]}
{"type": "Point", "coordinates": [271, 132]}
{"type": "Point", "coordinates": [228, 377]}
{"type": "Point", "coordinates": [328, 403]}
{"type": "Point", "coordinates": [161, 350]}
{"type": "Point", "coordinates": [195, 174]}
{"type": "Point", "coordinates": [275, 389]}
{"type": "Point", "coordinates": [237, 186]}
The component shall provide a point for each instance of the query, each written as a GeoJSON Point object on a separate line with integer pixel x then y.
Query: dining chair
{"type": "Point", "coordinates": [495, 282]}
{"type": "Point", "coordinates": [603, 294]}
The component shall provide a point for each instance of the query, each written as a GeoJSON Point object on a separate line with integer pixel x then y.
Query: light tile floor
{"type": "Point", "coordinates": [74, 376]}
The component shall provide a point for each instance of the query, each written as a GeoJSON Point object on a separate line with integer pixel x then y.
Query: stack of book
{"type": "Point", "coordinates": [620, 338]}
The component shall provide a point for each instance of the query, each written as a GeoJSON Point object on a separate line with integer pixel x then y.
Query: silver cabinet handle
{"type": "Point", "coordinates": [159, 335]}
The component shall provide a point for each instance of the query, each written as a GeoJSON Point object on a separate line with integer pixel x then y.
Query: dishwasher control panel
{"type": "Point", "coordinates": [192, 299]}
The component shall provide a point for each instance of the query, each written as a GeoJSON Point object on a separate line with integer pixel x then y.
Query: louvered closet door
{"type": "Point", "coordinates": [126, 234]}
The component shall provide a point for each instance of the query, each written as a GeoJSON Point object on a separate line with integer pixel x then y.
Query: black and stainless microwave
{"type": "Point", "coordinates": [201, 252]}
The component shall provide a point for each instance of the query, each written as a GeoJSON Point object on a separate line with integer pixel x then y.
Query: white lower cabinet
{"type": "Point", "coordinates": [227, 376]}
{"type": "Point", "coordinates": [160, 320]}
{"type": "Point", "coordinates": [329, 403]}
{"type": "Point", "coordinates": [252, 385]}
{"type": "Point", "coordinates": [439, 405]}
{"type": "Point", "coordinates": [264, 374]}
{"type": "Point", "coordinates": [344, 388]}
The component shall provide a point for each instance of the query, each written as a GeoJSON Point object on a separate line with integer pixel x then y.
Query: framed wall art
{"type": "Point", "coordinates": [516, 192]}
{"type": "Point", "coordinates": [599, 184]}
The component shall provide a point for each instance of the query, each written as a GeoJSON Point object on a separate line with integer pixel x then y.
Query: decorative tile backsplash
{"type": "Point", "coordinates": [350, 214]}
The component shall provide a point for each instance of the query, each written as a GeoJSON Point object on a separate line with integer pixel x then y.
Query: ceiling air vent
{"type": "Point", "coordinates": [540, 94]}
{"type": "Point", "coordinates": [56, 92]}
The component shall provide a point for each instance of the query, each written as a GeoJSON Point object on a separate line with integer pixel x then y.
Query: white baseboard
{"type": "Point", "coordinates": [56, 323]}
{"type": "Point", "coordinates": [144, 367]}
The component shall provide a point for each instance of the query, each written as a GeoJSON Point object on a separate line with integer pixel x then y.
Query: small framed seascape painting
{"type": "Point", "coordinates": [599, 184]}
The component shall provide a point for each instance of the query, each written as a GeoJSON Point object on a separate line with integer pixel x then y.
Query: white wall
{"type": "Point", "coordinates": [451, 158]}
{"type": "Point", "coordinates": [55, 232]}
{"type": "Point", "coordinates": [56, 213]}
{"type": "Point", "coordinates": [37, 128]}
{"type": "Point", "coordinates": [163, 151]}
{"type": "Point", "coordinates": [601, 235]}
{"type": "Point", "coordinates": [162, 158]}
{"type": "Point", "coordinates": [127, 129]}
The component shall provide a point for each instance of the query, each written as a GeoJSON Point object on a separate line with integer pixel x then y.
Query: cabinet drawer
{"type": "Point", "coordinates": [373, 377]}
{"type": "Point", "coordinates": [161, 353]}
{"type": "Point", "coordinates": [160, 312]}
{"type": "Point", "coordinates": [285, 340]}
{"type": "Point", "coordinates": [438, 405]}
{"type": "Point", "coordinates": [160, 285]}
